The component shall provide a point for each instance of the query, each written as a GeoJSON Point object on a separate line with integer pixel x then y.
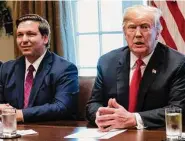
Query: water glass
{"type": "Point", "coordinates": [173, 117]}
{"type": "Point", "coordinates": [9, 122]}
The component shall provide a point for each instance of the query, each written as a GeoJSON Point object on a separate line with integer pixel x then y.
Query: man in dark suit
{"type": "Point", "coordinates": [40, 85]}
{"type": "Point", "coordinates": [112, 104]}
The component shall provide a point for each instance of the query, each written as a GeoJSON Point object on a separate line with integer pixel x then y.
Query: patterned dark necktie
{"type": "Point", "coordinates": [134, 86]}
{"type": "Point", "coordinates": [28, 85]}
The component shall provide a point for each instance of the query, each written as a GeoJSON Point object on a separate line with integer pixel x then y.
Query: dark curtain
{"type": "Point", "coordinates": [47, 9]}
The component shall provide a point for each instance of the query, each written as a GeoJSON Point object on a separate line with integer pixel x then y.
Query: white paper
{"type": "Point", "coordinates": [95, 133]}
{"type": "Point", "coordinates": [183, 135]}
{"type": "Point", "coordinates": [112, 133]}
{"type": "Point", "coordinates": [26, 132]}
{"type": "Point", "coordinates": [20, 132]}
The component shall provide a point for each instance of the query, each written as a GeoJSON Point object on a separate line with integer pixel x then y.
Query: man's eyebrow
{"type": "Point", "coordinates": [131, 24]}
{"type": "Point", "coordinates": [32, 31]}
{"type": "Point", "coordinates": [28, 31]}
{"type": "Point", "coordinates": [145, 23]}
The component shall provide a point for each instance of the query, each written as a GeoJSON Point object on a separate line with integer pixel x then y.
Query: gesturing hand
{"type": "Point", "coordinates": [114, 116]}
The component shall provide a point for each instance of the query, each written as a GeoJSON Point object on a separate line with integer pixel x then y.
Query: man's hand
{"type": "Point", "coordinates": [3, 106]}
{"type": "Point", "coordinates": [19, 114]}
{"type": "Point", "coordinates": [114, 116]}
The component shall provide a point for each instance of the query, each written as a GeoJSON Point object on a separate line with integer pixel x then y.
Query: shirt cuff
{"type": "Point", "coordinates": [19, 115]}
{"type": "Point", "coordinates": [139, 121]}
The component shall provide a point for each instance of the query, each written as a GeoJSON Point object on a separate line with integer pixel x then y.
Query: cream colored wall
{"type": "Point", "coordinates": [6, 44]}
{"type": "Point", "coordinates": [6, 48]}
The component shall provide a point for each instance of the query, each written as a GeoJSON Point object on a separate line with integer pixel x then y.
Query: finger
{"type": "Point", "coordinates": [110, 103]}
{"type": "Point", "coordinates": [115, 104]}
{"type": "Point", "coordinates": [106, 117]}
{"type": "Point", "coordinates": [106, 123]}
{"type": "Point", "coordinates": [99, 118]}
{"type": "Point", "coordinates": [101, 129]}
{"type": "Point", "coordinates": [99, 112]}
{"type": "Point", "coordinates": [106, 110]}
{"type": "Point", "coordinates": [2, 106]}
{"type": "Point", "coordinates": [97, 115]}
{"type": "Point", "coordinates": [105, 129]}
{"type": "Point", "coordinates": [8, 105]}
{"type": "Point", "coordinates": [100, 122]}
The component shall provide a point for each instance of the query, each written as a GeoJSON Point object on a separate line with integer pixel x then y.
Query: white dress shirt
{"type": "Point", "coordinates": [133, 60]}
{"type": "Point", "coordinates": [35, 64]}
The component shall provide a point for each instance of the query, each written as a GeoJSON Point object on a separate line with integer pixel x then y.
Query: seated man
{"type": "Point", "coordinates": [40, 84]}
{"type": "Point", "coordinates": [119, 99]}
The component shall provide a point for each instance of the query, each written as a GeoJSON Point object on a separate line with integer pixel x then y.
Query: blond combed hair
{"type": "Point", "coordinates": [143, 8]}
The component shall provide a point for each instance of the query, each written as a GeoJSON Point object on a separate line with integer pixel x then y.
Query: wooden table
{"type": "Point", "coordinates": [56, 131]}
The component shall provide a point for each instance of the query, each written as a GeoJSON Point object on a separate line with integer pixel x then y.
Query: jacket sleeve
{"type": "Point", "coordinates": [64, 103]}
{"type": "Point", "coordinates": [96, 99]}
{"type": "Point", "coordinates": [156, 117]}
{"type": "Point", "coordinates": [1, 84]}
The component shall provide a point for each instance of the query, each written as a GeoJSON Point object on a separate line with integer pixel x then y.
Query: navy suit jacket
{"type": "Point", "coordinates": [162, 84]}
{"type": "Point", "coordinates": [54, 91]}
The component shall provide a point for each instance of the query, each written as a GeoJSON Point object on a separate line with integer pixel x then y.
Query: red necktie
{"type": "Point", "coordinates": [28, 85]}
{"type": "Point", "coordinates": [134, 86]}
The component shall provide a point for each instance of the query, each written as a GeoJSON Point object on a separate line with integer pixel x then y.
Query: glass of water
{"type": "Point", "coordinates": [9, 122]}
{"type": "Point", "coordinates": [173, 117]}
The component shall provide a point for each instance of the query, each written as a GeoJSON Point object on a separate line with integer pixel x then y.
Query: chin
{"type": "Point", "coordinates": [27, 53]}
{"type": "Point", "coordinates": [140, 52]}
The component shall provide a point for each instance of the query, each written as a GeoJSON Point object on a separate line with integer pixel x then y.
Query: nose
{"type": "Point", "coordinates": [138, 32]}
{"type": "Point", "coordinates": [25, 38]}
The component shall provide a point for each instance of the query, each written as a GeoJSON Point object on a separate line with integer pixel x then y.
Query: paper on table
{"type": "Point", "coordinates": [26, 132]}
{"type": "Point", "coordinates": [112, 133]}
{"type": "Point", "coordinates": [95, 133]}
{"type": "Point", "coordinates": [183, 135]}
{"type": "Point", "coordinates": [20, 132]}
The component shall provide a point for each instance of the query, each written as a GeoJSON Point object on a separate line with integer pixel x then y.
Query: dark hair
{"type": "Point", "coordinates": [44, 27]}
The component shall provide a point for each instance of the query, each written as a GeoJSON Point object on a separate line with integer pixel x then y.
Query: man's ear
{"type": "Point", "coordinates": [46, 39]}
{"type": "Point", "coordinates": [124, 31]}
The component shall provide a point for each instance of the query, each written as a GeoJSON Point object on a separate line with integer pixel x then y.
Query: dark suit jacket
{"type": "Point", "coordinates": [54, 91]}
{"type": "Point", "coordinates": [162, 84]}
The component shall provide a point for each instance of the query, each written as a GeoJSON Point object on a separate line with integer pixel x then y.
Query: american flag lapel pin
{"type": "Point", "coordinates": [154, 71]}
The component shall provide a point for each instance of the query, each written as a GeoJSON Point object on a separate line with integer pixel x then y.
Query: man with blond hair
{"type": "Point", "coordinates": [134, 84]}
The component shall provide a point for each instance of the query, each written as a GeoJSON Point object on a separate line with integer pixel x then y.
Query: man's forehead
{"type": "Point", "coordinates": [135, 22]}
{"type": "Point", "coordinates": [28, 24]}
{"type": "Point", "coordinates": [140, 18]}
{"type": "Point", "coordinates": [139, 15]}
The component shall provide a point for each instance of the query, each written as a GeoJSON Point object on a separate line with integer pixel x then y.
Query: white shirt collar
{"type": "Point", "coordinates": [36, 63]}
{"type": "Point", "coordinates": [133, 59]}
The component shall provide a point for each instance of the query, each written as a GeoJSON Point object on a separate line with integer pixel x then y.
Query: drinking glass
{"type": "Point", "coordinates": [9, 122]}
{"type": "Point", "coordinates": [173, 117]}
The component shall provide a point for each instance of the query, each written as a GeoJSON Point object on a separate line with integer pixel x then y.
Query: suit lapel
{"type": "Point", "coordinates": [151, 71]}
{"type": "Point", "coordinates": [19, 79]}
{"type": "Point", "coordinates": [123, 77]}
{"type": "Point", "coordinates": [42, 71]}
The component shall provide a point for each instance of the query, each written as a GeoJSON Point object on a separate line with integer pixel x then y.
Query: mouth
{"type": "Point", "coordinates": [25, 47]}
{"type": "Point", "coordinates": [139, 43]}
